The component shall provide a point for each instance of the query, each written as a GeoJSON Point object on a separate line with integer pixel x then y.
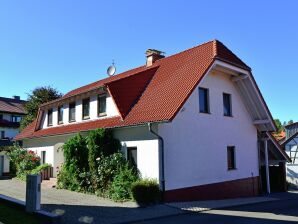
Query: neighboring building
{"type": "Point", "coordinates": [290, 145]}
{"type": "Point", "coordinates": [195, 121]}
{"type": "Point", "coordinates": [11, 113]}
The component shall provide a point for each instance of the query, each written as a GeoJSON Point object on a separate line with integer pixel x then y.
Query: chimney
{"type": "Point", "coordinates": [152, 56]}
{"type": "Point", "coordinates": [17, 97]}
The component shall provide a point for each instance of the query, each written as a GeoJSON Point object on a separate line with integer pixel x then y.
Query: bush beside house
{"type": "Point", "coordinates": [23, 162]}
{"type": "Point", "coordinates": [94, 164]}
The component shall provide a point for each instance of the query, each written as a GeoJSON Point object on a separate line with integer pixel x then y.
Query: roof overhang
{"type": "Point", "coordinates": [250, 94]}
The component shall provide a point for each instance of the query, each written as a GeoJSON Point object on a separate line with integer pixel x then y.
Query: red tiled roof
{"type": "Point", "coordinates": [279, 136]}
{"type": "Point", "coordinates": [9, 105]}
{"type": "Point", "coordinates": [149, 94]}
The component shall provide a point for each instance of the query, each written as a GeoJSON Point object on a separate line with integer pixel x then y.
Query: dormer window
{"type": "Point", "coordinates": [102, 104]}
{"type": "Point", "coordinates": [86, 108]}
{"type": "Point", "coordinates": [72, 112]}
{"type": "Point", "coordinates": [60, 114]}
{"type": "Point", "coordinates": [50, 117]}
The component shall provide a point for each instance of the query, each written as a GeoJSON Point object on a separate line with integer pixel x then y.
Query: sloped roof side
{"type": "Point", "coordinates": [223, 53]}
{"type": "Point", "coordinates": [127, 91]}
{"type": "Point", "coordinates": [12, 105]}
{"type": "Point", "coordinates": [149, 94]}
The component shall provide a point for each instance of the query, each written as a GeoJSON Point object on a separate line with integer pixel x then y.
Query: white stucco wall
{"type": "Point", "coordinates": [52, 146]}
{"type": "Point", "coordinates": [196, 143]}
{"type": "Point", "coordinates": [147, 149]}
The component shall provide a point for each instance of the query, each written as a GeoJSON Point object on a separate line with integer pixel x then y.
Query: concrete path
{"type": "Point", "coordinates": [82, 208]}
{"type": "Point", "coordinates": [281, 211]}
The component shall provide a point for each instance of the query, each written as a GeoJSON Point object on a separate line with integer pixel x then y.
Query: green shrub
{"type": "Point", "coordinates": [108, 168]}
{"type": "Point", "coordinates": [120, 188]}
{"type": "Point", "coordinates": [40, 168]}
{"type": "Point", "coordinates": [146, 192]}
{"type": "Point", "coordinates": [67, 180]}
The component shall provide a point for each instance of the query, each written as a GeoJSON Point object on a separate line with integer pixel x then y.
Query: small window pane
{"type": "Point", "coordinates": [72, 112]}
{"type": "Point", "coordinates": [2, 134]}
{"type": "Point", "coordinates": [227, 104]}
{"type": "Point", "coordinates": [231, 157]}
{"type": "Point", "coordinates": [132, 156]}
{"type": "Point", "coordinates": [60, 114]}
{"type": "Point", "coordinates": [203, 100]}
{"type": "Point", "coordinates": [86, 108]}
{"type": "Point", "coordinates": [102, 105]}
{"type": "Point", "coordinates": [50, 117]}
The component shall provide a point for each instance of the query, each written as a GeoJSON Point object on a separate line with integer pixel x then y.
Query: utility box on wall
{"type": "Point", "coordinates": [33, 193]}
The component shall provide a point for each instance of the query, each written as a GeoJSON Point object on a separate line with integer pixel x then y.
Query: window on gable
{"type": "Point", "coordinates": [60, 114]}
{"type": "Point", "coordinates": [231, 157]}
{"type": "Point", "coordinates": [86, 108]}
{"type": "Point", "coordinates": [50, 117]}
{"type": "Point", "coordinates": [72, 112]}
{"type": "Point", "coordinates": [102, 104]}
{"type": "Point", "coordinates": [227, 104]}
{"type": "Point", "coordinates": [204, 100]}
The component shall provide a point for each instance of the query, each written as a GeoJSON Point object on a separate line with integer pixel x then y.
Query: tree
{"type": "Point", "coordinates": [37, 97]}
{"type": "Point", "coordinates": [290, 122]}
{"type": "Point", "coordinates": [278, 125]}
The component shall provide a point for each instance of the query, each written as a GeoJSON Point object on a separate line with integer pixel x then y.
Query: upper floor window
{"type": "Point", "coordinates": [72, 112]}
{"type": "Point", "coordinates": [15, 118]}
{"type": "Point", "coordinates": [204, 100]}
{"type": "Point", "coordinates": [86, 108]}
{"type": "Point", "coordinates": [1, 116]}
{"type": "Point", "coordinates": [227, 104]}
{"type": "Point", "coordinates": [60, 114]}
{"type": "Point", "coordinates": [102, 104]}
{"type": "Point", "coordinates": [231, 157]}
{"type": "Point", "coordinates": [50, 117]}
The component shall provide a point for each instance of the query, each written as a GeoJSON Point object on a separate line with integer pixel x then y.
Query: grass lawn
{"type": "Point", "coordinates": [13, 215]}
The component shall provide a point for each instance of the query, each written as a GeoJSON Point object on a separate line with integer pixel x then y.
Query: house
{"type": "Point", "coordinates": [290, 145]}
{"type": "Point", "coordinates": [11, 113]}
{"type": "Point", "coordinates": [195, 121]}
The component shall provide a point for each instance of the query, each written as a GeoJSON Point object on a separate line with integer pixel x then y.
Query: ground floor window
{"type": "Point", "coordinates": [2, 134]}
{"type": "Point", "coordinates": [231, 157]}
{"type": "Point", "coordinates": [132, 155]}
{"type": "Point", "coordinates": [43, 157]}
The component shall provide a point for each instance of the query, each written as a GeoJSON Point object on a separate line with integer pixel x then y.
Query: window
{"type": "Point", "coordinates": [2, 134]}
{"type": "Point", "coordinates": [60, 115]}
{"type": "Point", "coordinates": [204, 100]}
{"type": "Point", "coordinates": [102, 105]}
{"type": "Point", "coordinates": [50, 117]}
{"type": "Point", "coordinates": [15, 118]}
{"type": "Point", "coordinates": [231, 157]}
{"type": "Point", "coordinates": [43, 157]}
{"type": "Point", "coordinates": [72, 112]}
{"type": "Point", "coordinates": [86, 108]}
{"type": "Point", "coordinates": [132, 156]}
{"type": "Point", "coordinates": [1, 116]}
{"type": "Point", "coordinates": [227, 106]}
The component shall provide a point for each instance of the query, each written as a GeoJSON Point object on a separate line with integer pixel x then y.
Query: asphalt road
{"type": "Point", "coordinates": [282, 211]}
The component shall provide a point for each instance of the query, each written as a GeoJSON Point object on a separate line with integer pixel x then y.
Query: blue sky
{"type": "Point", "coordinates": [67, 44]}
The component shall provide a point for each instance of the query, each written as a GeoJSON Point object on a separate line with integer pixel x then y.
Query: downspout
{"type": "Point", "coordinates": [162, 159]}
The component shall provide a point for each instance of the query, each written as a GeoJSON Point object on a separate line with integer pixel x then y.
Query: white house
{"type": "Point", "coordinates": [290, 145]}
{"type": "Point", "coordinates": [11, 112]}
{"type": "Point", "coordinates": [195, 121]}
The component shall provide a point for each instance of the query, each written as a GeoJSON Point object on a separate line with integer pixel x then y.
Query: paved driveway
{"type": "Point", "coordinates": [81, 208]}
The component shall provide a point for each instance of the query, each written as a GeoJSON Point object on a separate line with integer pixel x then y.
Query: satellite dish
{"type": "Point", "coordinates": [111, 70]}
